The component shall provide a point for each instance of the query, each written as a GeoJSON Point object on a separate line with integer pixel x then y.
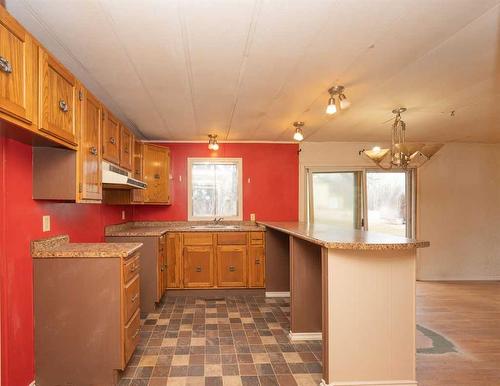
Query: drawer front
{"type": "Point", "coordinates": [131, 267]}
{"type": "Point", "coordinates": [132, 335]}
{"type": "Point", "coordinates": [198, 238]}
{"type": "Point", "coordinates": [132, 298]}
{"type": "Point", "coordinates": [232, 238]}
{"type": "Point", "coordinates": [257, 238]}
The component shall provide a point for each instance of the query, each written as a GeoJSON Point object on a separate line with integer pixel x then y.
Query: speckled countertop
{"type": "Point", "coordinates": [335, 238]}
{"type": "Point", "coordinates": [158, 228]}
{"type": "Point", "coordinates": [60, 246]}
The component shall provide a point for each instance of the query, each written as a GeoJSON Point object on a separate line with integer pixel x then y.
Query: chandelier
{"type": "Point", "coordinates": [401, 155]}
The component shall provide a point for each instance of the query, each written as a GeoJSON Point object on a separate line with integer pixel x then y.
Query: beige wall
{"type": "Point", "coordinates": [459, 213]}
{"type": "Point", "coordinates": [458, 207]}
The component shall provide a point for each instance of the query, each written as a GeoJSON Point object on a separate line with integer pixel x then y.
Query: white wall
{"type": "Point", "coordinates": [458, 205]}
{"type": "Point", "coordinates": [459, 213]}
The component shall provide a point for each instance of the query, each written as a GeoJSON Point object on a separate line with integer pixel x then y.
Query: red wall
{"type": "Point", "coordinates": [22, 218]}
{"type": "Point", "coordinates": [272, 193]}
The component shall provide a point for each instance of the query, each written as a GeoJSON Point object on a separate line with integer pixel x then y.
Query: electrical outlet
{"type": "Point", "coordinates": [46, 223]}
{"type": "Point", "coordinates": [123, 215]}
{"type": "Point", "coordinates": [252, 216]}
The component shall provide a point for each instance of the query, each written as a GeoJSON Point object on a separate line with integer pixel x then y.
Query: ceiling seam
{"type": "Point", "coordinates": [415, 60]}
{"type": "Point", "coordinates": [246, 53]}
{"type": "Point", "coordinates": [188, 62]}
{"type": "Point", "coordinates": [124, 48]}
{"type": "Point", "coordinates": [36, 16]}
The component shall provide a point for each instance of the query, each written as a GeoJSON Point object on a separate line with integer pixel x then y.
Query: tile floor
{"type": "Point", "coordinates": [228, 341]}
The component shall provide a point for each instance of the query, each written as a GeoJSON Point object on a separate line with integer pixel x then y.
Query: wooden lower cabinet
{"type": "Point", "coordinates": [198, 266]}
{"type": "Point", "coordinates": [256, 266]}
{"type": "Point", "coordinates": [87, 318]}
{"type": "Point", "coordinates": [231, 266]}
{"type": "Point", "coordinates": [174, 260]}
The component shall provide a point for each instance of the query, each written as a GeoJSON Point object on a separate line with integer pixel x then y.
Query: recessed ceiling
{"type": "Point", "coordinates": [246, 69]}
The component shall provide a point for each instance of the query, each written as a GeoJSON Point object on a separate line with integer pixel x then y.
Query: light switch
{"type": "Point", "coordinates": [46, 223]}
{"type": "Point", "coordinates": [252, 216]}
{"type": "Point", "coordinates": [123, 215]}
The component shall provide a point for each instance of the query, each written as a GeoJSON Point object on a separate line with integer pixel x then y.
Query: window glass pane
{"type": "Point", "coordinates": [334, 198]}
{"type": "Point", "coordinates": [386, 202]}
{"type": "Point", "coordinates": [214, 189]}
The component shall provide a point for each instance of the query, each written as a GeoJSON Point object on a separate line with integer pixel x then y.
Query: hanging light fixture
{"type": "Point", "coordinates": [401, 155]}
{"type": "Point", "coordinates": [298, 135]}
{"type": "Point", "coordinates": [331, 108]}
{"type": "Point", "coordinates": [212, 142]}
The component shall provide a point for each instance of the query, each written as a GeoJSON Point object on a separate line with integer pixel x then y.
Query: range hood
{"type": "Point", "coordinates": [115, 178]}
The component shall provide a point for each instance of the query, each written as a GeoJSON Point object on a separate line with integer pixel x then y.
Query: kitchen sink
{"type": "Point", "coordinates": [214, 226]}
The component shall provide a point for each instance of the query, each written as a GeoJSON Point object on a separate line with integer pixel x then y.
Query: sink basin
{"type": "Point", "coordinates": [214, 226]}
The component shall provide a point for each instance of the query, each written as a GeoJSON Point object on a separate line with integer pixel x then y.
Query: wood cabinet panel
{"type": "Point", "coordinates": [138, 170]}
{"type": "Point", "coordinates": [174, 260]}
{"type": "Point", "coordinates": [231, 266]}
{"type": "Point", "coordinates": [126, 148]}
{"type": "Point", "coordinates": [232, 238]}
{"type": "Point", "coordinates": [162, 266]}
{"type": "Point", "coordinates": [90, 149]}
{"type": "Point", "coordinates": [17, 70]}
{"type": "Point", "coordinates": [257, 238]}
{"type": "Point", "coordinates": [157, 174]}
{"type": "Point", "coordinates": [256, 266]}
{"type": "Point", "coordinates": [131, 298]}
{"type": "Point", "coordinates": [110, 138]}
{"type": "Point", "coordinates": [58, 96]}
{"type": "Point", "coordinates": [198, 238]}
{"type": "Point", "coordinates": [198, 266]}
{"type": "Point", "coordinates": [131, 268]}
{"type": "Point", "coordinates": [131, 334]}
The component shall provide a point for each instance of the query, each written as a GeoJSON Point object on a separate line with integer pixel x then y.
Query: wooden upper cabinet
{"type": "Point", "coordinates": [110, 138]}
{"type": "Point", "coordinates": [58, 96]}
{"type": "Point", "coordinates": [231, 266]}
{"type": "Point", "coordinates": [138, 170]}
{"type": "Point", "coordinates": [156, 174]}
{"type": "Point", "coordinates": [90, 150]}
{"type": "Point", "coordinates": [18, 70]}
{"type": "Point", "coordinates": [126, 148]}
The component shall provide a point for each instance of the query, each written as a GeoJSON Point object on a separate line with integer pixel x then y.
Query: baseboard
{"type": "Point", "coordinates": [370, 383]}
{"type": "Point", "coordinates": [296, 336]}
{"type": "Point", "coordinates": [277, 294]}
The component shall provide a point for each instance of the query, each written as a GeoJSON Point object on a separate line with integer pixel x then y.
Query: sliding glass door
{"type": "Point", "coordinates": [375, 200]}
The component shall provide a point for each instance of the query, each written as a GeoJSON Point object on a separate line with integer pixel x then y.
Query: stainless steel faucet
{"type": "Point", "coordinates": [217, 220]}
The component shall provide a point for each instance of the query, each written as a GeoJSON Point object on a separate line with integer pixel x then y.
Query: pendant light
{"type": "Point", "coordinates": [298, 135]}
{"type": "Point", "coordinates": [212, 142]}
{"type": "Point", "coordinates": [401, 155]}
{"type": "Point", "coordinates": [331, 108]}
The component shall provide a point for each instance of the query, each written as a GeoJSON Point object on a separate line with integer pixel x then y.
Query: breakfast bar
{"type": "Point", "coordinates": [354, 290]}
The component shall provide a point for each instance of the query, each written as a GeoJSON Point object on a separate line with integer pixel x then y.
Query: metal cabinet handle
{"type": "Point", "coordinates": [112, 140]}
{"type": "Point", "coordinates": [5, 66]}
{"type": "Point", "coordinates": [257, 261]}
{"type": "Point", "coordinates": [232, 268]}
{"type": "Point", "coordinates": [157, 176]}
{"type": "Point", "coordinates": [63, 106]}
{"type": "Point", "coordinates": [134, 298]}
{"type": "Point", "coordinates": [126, 150]}
{"type": "Point", "coordinates": [198, 269]}
{"type": "Point", "coordinates": [136, 333]}
{"type": "Point", "coordinates": [93, 150]}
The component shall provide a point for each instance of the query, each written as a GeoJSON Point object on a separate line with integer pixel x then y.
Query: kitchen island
{"type": "Point", "coordinates": [353, 289]}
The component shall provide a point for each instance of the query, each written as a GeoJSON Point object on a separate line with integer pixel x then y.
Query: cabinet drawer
{"type": "Point", "coordinates": [257, 238]}
{"type": "Point", "coordinates": [131, 297]}
{"type": "Point", "coordinates": [131, 268]}
{"type": "Point", "coordinates": [132, 336]}
{"type": "Point", "coordinates": [231, 238]}
{"type": "Point", "coordinates": [198, 238]}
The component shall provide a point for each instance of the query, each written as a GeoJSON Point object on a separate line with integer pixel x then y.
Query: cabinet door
{"type": "Point", "coordinates": [126, 148]}
{"type": "Point", "coordinates": [90, 151]}
{"type": "Point", "coordinates": [111, 138]}
{"type": "Point", "coordinates": [156, 174]}
{"type": "Point", "coordinates": [17, 69]}
{"type": "Point", "coordinates": [198, 266]}
{"type": "Point", "coordinates": [58, 96]}
{"type": "Point", "coordinates": [174, 258]}
{"type": "Point", "coordinates": [232, 266]}
{"type": "Point", "coordinates": [256, 266]}
{"type": "Point", "coordinates": [138, 169]}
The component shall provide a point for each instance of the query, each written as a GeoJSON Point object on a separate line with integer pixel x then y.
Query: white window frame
{"type": "Point", "coordinates": [212, 160]}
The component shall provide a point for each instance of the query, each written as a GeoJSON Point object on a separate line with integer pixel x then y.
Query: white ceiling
{"type": "Point", "coordinates": [246, 69]}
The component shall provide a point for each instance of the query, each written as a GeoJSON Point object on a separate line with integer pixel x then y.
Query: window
{"type": "Point", "coordinates": [369, 199]}
{"type": "Point", "coordinates": [215, 188]}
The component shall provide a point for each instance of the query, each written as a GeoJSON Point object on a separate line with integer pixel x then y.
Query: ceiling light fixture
{"type": "Point", "coordinates": [212, 142]}
{"type": "Point", "coordinates": [298, 135]}
{"type": "Point", "coordinates": [402, 155]}
{"type": "Point", "coordinates": [331, 108]}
